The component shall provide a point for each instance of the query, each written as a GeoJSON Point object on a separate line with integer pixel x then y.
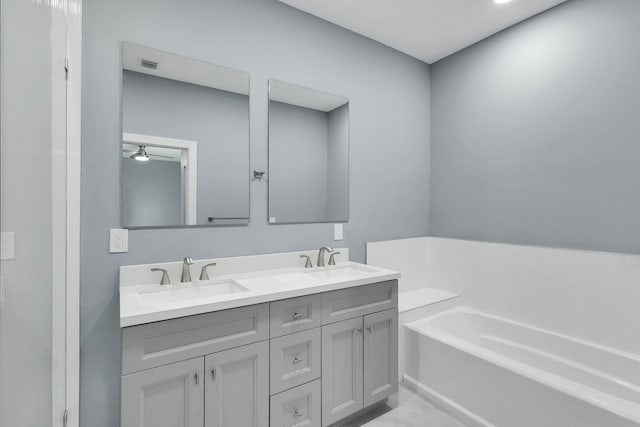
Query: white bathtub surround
{"type": "Point", "coordinates": [253, 279]}
{"type": "Point", "coordinates": [411, 257]}
{"type": "Point", "coordinates": [416, 299]}
{"type": "Point", "coordinates": [495, 371]}
{"type": "Point", "coordinates": [589, 295]}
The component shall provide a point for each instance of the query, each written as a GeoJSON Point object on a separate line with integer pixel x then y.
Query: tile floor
{"type": "Point", "coordinates": [406, 409]}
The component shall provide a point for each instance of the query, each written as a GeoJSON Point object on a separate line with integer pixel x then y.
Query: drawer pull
{"type": "Point", "coordinates": [297, 359]}
{"type": "Point", "coordinates": [360, 330]}
{"type": "Point", "coordinates": [195, 376]}
{"type": "Point", "coordinates": [297, 315]}
{"type": "Point", "coordinates": [369, 329]}
{"type": "Point", "coordinates": [213, 374]}
{"type": "Point", "coordinates": [297, 414]}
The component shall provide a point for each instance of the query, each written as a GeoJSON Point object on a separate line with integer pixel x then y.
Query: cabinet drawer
{"type": "Point", "coordinates": [155, 344]}
{"type": "Point", "coordinates": [295, 315]}
{"type": "Point", "coordinates": [295, 359]}
{"type": "Point", "coordinates": [359, 301]}
{"type": "Point", "coordinates": [299, 406]}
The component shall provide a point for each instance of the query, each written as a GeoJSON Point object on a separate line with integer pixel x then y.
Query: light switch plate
{"type": "Point", "coordinates": [118, 240]}
{"type": "Point", "coordinates": [7, 245]}
{"type": "Point", "coordinates": [338, 232]}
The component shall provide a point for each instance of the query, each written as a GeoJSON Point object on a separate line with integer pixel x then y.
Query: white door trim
{"type": "Point", "coordinates": [191, 165]}
{"type": "Point", "coordinates": [73, 16]}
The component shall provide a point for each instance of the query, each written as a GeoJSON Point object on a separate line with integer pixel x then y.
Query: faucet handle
{"type": "Point", "coordinates": [308, 263]}
{"type": "Point", "coordinates": [332, 261]}
{"type": "Point", "coordinates": [204, 274]}
{"type": "Point", "coordinates": [165, 276]}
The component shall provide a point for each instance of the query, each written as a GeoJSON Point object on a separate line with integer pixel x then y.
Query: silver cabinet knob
{"type": "Point", "coordinates": [369, 329]}
{"type": "Point", "coordinates": [297, 414]}
{"type": "Point", "coordinates": [297, 359]}
{"type": "Point", "coordinates": [297, 315]}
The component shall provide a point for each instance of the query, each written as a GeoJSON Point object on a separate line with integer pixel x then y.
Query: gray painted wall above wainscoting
{"type": "Point", "coordinates": [389, 147]}
{"type": "Point", "coordinates": [535, 134]}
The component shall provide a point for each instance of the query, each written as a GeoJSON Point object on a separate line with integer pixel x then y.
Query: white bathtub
{"type": "Point", "coordinates": [495, 372]}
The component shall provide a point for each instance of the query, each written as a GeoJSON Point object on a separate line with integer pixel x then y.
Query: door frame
{"type": "Point", "coordinates": [190, 164]}
{"type": "Point", "coordinates": [66, 75]}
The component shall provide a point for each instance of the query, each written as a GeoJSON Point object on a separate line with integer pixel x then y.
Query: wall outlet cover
{"type": "Point", "coordinates": [338, 232]}
{"type": "Point", "coordinates": [118, 240]}
{"type": "Point", "coordinates": [7, 245]}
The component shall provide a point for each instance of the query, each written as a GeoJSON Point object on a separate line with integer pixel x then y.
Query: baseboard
{"type": "Point", "coordinates": [449, 406]}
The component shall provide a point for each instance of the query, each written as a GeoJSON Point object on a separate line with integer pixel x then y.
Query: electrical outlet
{"type": "Point", "coordinates": [118, 240]}
{"type": "Point", "coordinates": [7, 245]}
{"type": "Point", "coordinates": [338, 232]}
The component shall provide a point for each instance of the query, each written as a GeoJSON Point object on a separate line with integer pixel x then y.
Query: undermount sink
{"type": "Point", "coordinates": [336, 272]}
{"type": "Point", "coordinates": [176, 293]}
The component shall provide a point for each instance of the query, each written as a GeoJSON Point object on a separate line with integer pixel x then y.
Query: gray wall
{"type": "Point", "coordinates": [298, 145]}
{"type": "Point", "coordinates": [536, 132]}
{"type": "Point", "coordinates": [217, 120]}
{"type": "Point", "coordinates": [338, 165]}
{"type": "Point", "coordinates": [151, 193]}
{"type": "Point", "coordinates": [389, 108]}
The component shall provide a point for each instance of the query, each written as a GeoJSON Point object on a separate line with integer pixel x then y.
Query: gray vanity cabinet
{"type": "Point", "coordinates": [167, 396]}
{"type": "Point", "coordinates": [311, 360]}
{"type": "Point", "coordinates": [380, 356]}
{"type": "Point", "coordinates": [237, 387]}
{"type": "Point", "coordinates": [359, 355]}
{"type": "Point", "coordinates": [342, 370]}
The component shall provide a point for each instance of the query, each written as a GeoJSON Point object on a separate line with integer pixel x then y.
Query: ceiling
{"type": "Point", "coordinates": [304, 97]}
{"type": "Point", "coordinates": [183, 69]}
{"type": "Point", "coordinates": [425, 29]}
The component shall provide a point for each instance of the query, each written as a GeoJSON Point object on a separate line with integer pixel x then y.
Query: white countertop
{"type": "Point", "coordinates": [261, 287]}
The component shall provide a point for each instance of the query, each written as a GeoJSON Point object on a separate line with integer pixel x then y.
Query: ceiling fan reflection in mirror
{"type": "Point", "coordinates": [142, 155]}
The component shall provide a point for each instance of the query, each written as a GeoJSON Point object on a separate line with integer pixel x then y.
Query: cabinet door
{"type": "Point", "coordinates": [380, 356]}
{"type": "Point", "coordinates": [167, 396]}
{"type": "Point", "coordinates": [342, 392]}
{"type": "Point", "coordinates": [237, 387]}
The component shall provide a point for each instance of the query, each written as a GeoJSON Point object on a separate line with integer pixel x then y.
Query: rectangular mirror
{"type": "Point", "coordinates": [308, 155]}
{"type": "Point", "coordinates": [185, 141]}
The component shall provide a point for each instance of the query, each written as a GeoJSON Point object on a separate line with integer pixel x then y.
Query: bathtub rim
{"type": "Point", "coordinates": [618, 406]}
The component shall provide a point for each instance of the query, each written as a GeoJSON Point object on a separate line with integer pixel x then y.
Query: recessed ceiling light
{"type": "Point", "coordinates": [501, 1]}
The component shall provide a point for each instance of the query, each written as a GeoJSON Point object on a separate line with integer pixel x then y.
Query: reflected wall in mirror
{"type": "Point", "coordinates": [308, 155]}
{"type": "Point", "coordinates": [185, 142]}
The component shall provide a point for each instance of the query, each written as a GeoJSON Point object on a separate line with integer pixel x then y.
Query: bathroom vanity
{"type": "Point", "coordinates": [271, 347]}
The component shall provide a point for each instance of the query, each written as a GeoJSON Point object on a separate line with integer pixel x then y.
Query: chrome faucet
{"type": "Point", "coordinates": [321, 252]}
{"type": "Point", "coordinates": [186, 270]}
